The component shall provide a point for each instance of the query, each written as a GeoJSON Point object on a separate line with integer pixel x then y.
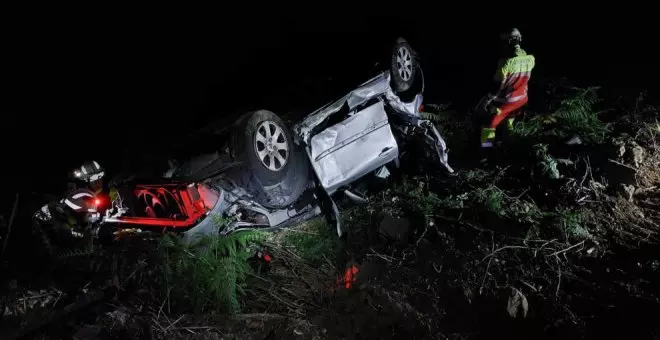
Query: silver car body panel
{"type": "Point", "coordinates": [363, 142]}
{"type": "Point", "coordinates": [352, 148]}
{"type": "Point", "coordinates": [374, 87]}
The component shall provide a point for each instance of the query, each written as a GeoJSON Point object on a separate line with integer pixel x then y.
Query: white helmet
{"type": "Point", "coordinates": [89, 172]}
{"type": "Point", "coordinates": [511, 36]}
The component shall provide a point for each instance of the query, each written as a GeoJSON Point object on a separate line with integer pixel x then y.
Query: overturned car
{"type": "Point", "coordinates": [266, 176]}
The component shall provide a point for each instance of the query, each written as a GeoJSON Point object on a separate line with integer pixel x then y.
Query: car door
{"type": "Point", "coordinates": [352, 148]}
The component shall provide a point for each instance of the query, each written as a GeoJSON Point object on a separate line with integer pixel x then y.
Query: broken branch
{"type": "Point", "coordinates": [567, 249]}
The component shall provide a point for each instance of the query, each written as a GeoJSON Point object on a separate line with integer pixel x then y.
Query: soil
{"type": "Point", "coordinates": [498, 249]}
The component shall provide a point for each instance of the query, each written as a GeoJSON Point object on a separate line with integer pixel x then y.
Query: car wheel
{"type": "Point", "coordinates": [403, 67]}
{"type": "Point", "coordinates": [265, 145]}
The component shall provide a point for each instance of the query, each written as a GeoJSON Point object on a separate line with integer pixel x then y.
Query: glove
{"type": "Point", "coordinates": [93, 218]}
{"type": "Point", "coordinates": [487, 103]}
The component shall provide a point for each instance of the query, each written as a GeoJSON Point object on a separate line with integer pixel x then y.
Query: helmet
{"type": "Point", "coordinates": [89, 172]}
{"type": "Point", "coordinates": [511, 36]}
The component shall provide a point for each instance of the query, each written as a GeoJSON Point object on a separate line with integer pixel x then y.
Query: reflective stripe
{"type": "Point", "coordinates": [83, 170]}
{"type": "Point", "coordinates": [510, 99]}
{"type": "Point", "coordinates": [487, 134]}
{"type": "Point", "coordinates": [517, 98]}
{"type": "Point", "coordinates": [509, 123]}
{"type": "Point", "coordinates": [71, 205]}
{"type": "Point", "coordinates": [82, 194]}
{"type": "Point", "coordinates": [96, 165]}
{"type": "Point", "coordinates": [521, 74]}
{"type": "Point", "coordinates": [96, 176]}
{"type": "Point", "coordinates": [514, 74]}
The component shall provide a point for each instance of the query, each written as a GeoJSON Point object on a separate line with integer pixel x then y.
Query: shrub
{"type": "Point", "coordinates": [576, 114]}
{"type": "Point", "coordinates": [208, 275]}
{"type": "Point", "coordinates": [314, 240]}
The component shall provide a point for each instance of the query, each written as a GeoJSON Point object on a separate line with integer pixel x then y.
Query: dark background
{"type": "Point", "coordinates": [120, 89]}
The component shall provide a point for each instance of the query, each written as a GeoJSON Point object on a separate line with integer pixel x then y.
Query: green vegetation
{"type": "Point", "coordinates": [574, 115]}
{"type": "Point", "coordinates": [546, 227]}
{"type": "Point", "coordinates": [207, 276]}
{"type": "Point", "coordinates": [572, 222]}
{"type": "Point", "coordinates": [314, 241]}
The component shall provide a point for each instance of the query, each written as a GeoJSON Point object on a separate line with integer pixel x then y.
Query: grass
{"type": "Point", "coordinates": [313, 241]}
{"type": "Point", "coordinates": [502, 214]}
{"type": "Point", "coordinates": [572, 222]}
{"type": "Point", "coordinates": [546, 165]}
{"type": "Point", "coordinates": [209, 275]}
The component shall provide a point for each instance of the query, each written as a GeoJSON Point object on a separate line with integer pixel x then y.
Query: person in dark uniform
{"type": "Point", "coordinates": [70, 218]}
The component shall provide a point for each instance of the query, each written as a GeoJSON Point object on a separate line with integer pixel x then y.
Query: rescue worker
{"type": "Point", "coordinates": [513, 72]}
{"type": "Point", "coordinates": [71, 217]}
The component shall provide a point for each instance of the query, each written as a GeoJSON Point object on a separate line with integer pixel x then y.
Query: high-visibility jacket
{"type": "Point", "coordinates": [513, 74]}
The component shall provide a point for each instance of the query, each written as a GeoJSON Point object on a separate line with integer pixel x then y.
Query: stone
{"type": "Point", "coordinates": [627, 191]}
{"type": "Point", "coordinates": [637, 155]}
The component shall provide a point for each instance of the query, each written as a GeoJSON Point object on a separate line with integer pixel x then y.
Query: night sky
{"type": "Point", "coordinates": [106, 88]}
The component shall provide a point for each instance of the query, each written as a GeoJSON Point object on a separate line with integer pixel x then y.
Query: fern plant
{"type": "Point", "coordinates": [577, 115]}
{"type": "Point", "coordinates": [208, 275]}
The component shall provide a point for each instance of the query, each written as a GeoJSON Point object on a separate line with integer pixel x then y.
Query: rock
{"type": "Point", "coordinates": [627, 191]}
{"type": "Point", "coordinates": [617, 173]}
{"type": "Point", "coordinates": [517, 304]}
{"type": "Point", "coordinates": [637, 155]}
{"type": "Point", "coordinates": [394, 229]}
{"type": "Point", "coordinates": [619, 146]}
{"type": "Point", "coordinates": [119, 317]}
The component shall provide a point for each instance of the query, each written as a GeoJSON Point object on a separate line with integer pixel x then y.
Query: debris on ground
{"type": "Point", "coordinates": [552, 240]}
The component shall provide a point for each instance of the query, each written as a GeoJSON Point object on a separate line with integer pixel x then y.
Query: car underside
{"type": "Point", "coordinates": [268, 177]}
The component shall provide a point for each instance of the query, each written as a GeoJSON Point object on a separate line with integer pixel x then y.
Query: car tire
{"type": "Point", "coordinates": [264, 144]}
{"type": "Point", "coordinates": [403, 66]}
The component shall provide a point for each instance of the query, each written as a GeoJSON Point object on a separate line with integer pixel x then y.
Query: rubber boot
{"type": "Point", "coordinates": [487, 144]}
{"type": "Point", "coordinates": [487, 137]}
